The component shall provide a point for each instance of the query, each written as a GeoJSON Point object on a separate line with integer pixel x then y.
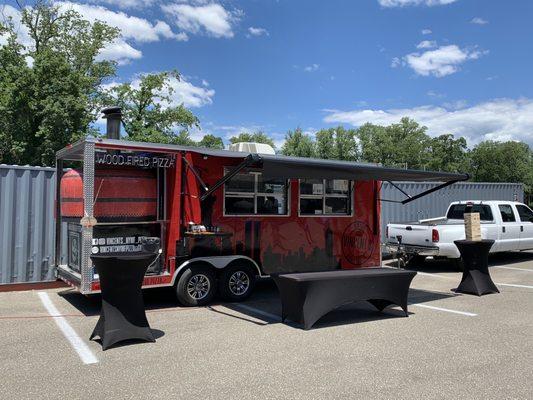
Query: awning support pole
{"type": "Point", "coordinates": [195, 173]}
{"type": "Point", "coordinates": [429, 191]}
{"type": "Point", "coordinates": [400, 189]}
{"type": "Point", "coordinates": [249, 160]}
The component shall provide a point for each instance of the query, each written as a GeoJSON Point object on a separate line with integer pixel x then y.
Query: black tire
{"type": "Point", "coordinates": [191, 285]}
{"type": "Point", "coordinates": [236, 282]}
{"type": "Point", "coordinates": [458, 264]}
{"type": "Point", "coordinates": [416, 261]}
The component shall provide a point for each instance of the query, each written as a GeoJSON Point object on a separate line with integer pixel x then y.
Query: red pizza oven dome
{"type": "Point", "coordinates": [120, 194]}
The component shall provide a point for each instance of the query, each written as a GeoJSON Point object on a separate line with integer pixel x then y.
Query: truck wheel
{"type": "Point", "coordinates": [458, 264]}
{"type": "Point", "coordinates": [236, 283]}
{"type": "Point", "coordinates": [196, 286]}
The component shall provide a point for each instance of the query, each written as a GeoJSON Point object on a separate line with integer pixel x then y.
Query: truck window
{"type": "Point", "coordinates": [325, 197]}
{"type": "Point", "coordinates": [525, 213]}
{"type": "Point", "coordinates": [250, 194]}
{"type": "Point", "coordinates": [457, 211]}
{"type": "Point", "coordinates": [507, 213]}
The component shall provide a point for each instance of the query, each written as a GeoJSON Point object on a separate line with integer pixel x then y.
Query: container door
{"type": "Point", "coordinates": [510, 230]}
{"type": "Point", "coordinates": [526, 226]}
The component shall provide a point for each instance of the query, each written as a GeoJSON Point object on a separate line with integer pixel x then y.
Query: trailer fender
{"type": "Point", "coordinates": [217, 262]}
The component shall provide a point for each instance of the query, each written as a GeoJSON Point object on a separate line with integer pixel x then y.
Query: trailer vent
{"type": "Point", "coordinates": [250, 147]}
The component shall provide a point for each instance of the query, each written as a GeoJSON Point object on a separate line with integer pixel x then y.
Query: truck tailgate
{"type": "Point", "coordinates": [416, 234]}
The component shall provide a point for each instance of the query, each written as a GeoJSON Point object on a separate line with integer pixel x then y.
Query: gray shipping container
{"type": "Point", "coordinates": [436, 204]}
{"type": "Point", "coordinates": [27, 196]}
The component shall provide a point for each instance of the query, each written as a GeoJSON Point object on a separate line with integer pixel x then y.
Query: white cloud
{"type": "Point", "coordinates": [396, 62]}
{"type": "Point", "coordinates": [210, 19]}
{"type": "Point", "coordinates": [440, 62]}
{"type": "Point", "coordinates": [432, 93]}
{"type": "Point", "coordinates": [498, 119]}
{"type": "Point", "coordinates": [479, 21]}
{"type": "Point", "coordinates": [7, 13]}
{"type": "Point", "coordinates": [257, 32]}
{"type": "Point", "coordinates": [119, 51]}
{"type": "Point", "coordinates": [311, 68]}
{"type": "Point", "coordinates": [426, 44]}
{"type": "Point", "coordinates": [131, 27]}
{"type": "Point", "coordinates": [183, 92]}
{"type": "Point", "coordinates": [190, 95]}
{"type": "Point", "coordinates": [426, 31]}
{"type": "Point", "coordinates": [126, 4]}
{"type": "Point", "coordinates": [403, 3]}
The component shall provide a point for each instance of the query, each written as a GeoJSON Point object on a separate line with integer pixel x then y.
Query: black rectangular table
{"type": "Point", "coordinates": [306, 297]}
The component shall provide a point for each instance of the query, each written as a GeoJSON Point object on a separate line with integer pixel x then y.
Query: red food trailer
{"type": "Point", "coordinates": [223, 218]}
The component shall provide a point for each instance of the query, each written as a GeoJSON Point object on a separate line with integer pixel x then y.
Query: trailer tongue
{"type": "Point", "coordinates": [223, 218]}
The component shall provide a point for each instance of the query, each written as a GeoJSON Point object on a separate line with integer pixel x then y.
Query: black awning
{"type": "Point", "coordinates": [296, 167]}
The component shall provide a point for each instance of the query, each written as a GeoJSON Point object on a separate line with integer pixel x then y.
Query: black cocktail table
{"type": "Point", "coordinates": [306, 297]}
{"type": "Point", "coordinates": [476, 278]}
{"type": "Point", "coordinates": [122, 316]}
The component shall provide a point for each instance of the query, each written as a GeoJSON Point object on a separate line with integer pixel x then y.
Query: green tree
{"type": "Point", "coordinates": [148, 112]}
{"type": "Point", "coordinates": [448, 154]}
{"type": "Point", "coordinates": [50, 88]}
{"type": "Point", "coordinates": [212, 142]}
{"type": "Point", "coordinates": [337, 143]}
{"type": "Point", "coordinates": [502, 162]}
{"type": "Point", "coordinates": [298, 144]}
{"type": "Point", "coordinates": [256, 137]}
{"type": "Point", "coordinates": [404, 144]}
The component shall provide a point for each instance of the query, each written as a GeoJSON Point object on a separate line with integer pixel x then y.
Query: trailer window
{"type": "Point", "coordinates": [457, 211]}
{"type": "Point", "coordinates": [325, 197]}
{"type": "Point", "coordinates": [250, 194]}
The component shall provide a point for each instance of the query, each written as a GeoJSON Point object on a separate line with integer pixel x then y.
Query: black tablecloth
{"type": "Point", "coordinates": [308, 296]}
{"type": "Point", "coordinates": [122, 316]}
{"type": "Point", "coordinates": [476, 278]}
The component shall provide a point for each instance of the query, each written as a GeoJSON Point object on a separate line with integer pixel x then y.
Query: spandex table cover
{"type": "Point", "coordinates": [122, 316]}
{"type": "Point", "coordinates": [476, 278]}
{"type": "Point", "coordinates": [306, 297]}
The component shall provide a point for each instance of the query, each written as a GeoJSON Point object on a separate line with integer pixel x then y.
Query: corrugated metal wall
{"type": "Point", "coordinates": [436, 204]}
{"type": "Point", "coordinates": [27, 196]}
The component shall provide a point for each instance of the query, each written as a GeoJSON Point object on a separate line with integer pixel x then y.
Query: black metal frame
{"type": "Point", "coordinates": [250, 159]}
{"type": "Point", "coordinates": [422, 194]}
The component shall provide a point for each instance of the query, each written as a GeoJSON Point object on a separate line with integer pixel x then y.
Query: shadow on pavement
{"type": "Point", "coordinates": [154, 299]}
{"type": "Point", "coordinates": [266, 307]}
{"type": "Point", "coordinates": [497, 259]}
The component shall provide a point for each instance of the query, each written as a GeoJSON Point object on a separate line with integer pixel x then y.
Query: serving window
{"type": "Point", "coordinates": [250, 194]}
{"type": "Point", "coordinates": [325, 197]}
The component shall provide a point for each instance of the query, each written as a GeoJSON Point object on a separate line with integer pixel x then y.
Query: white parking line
{"type": "Point", "coordinates": [77, 343]}
{"type": "Point", "coordinates": [513, 268]}
{"type": "Point", "coordinates": [514, 285]}
{"type": "Point", "coordinates": [468, 314]}
{"type": "Point", "coordinates": [257, 311]}
{"type": "Point", "coordinates": [435, 275]}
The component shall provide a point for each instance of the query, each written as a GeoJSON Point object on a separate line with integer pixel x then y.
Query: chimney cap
{"type": "Point", "coordinates": [109, 111]}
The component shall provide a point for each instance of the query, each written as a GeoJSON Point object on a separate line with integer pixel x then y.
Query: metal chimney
{"type": "Point", "coordinates": [114, 117]}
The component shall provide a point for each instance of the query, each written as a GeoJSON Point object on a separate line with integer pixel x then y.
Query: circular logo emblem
{"type": "Point", "coordinates": [357, 243]}
{"type": "Point", "coordinates": [95, 250]}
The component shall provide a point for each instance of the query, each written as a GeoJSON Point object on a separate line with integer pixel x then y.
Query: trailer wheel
{"type": "Point", "coordinates": [196, 286]}
{"type": "Point", "coordinates": [236, 283]}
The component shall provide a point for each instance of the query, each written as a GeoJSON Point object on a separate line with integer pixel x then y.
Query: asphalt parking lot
{"type": "Point", "coordinates": [450, 346]}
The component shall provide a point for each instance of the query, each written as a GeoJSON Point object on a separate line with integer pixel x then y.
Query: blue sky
{"type": "Point", "coordinates": [457, 66]}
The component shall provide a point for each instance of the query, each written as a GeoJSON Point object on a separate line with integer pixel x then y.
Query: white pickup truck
{"type": "Point", "coordinates": [509, 223]}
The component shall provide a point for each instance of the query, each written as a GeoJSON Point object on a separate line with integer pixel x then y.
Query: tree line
{"type": "Point", "coordinates": [53, 86]}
